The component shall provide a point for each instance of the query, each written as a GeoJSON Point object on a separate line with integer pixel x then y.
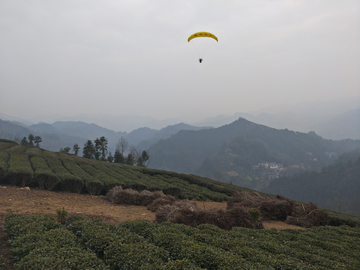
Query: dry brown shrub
{"type": "Point", "coordinates": [301, 209]}
{"type": "Point", "coordinates": [164, 212]}
{"type": "Point", "coordinates": [318, 217]}
{"type": "Point", "coordinates": [159, 202]}
{"type": "Point", "coordinates": [148, 197]}
{"type": "Point", "coordinates": [111, 193]}
{"type": "Point", "coordinates": [236, 216]}
{"type": "Point", "coordinates": [169, 212]}
{"type": "Point", "coordinates": [275, 210]}
{"type": "Point", "coordinates": [188, 213]}
{"type": "Point", "coordinates": [127, 196]}
{"type": "Point", "coordinates": [298, 221]}
{"type": "Point", "coordinates": [189, 217]}
{"type": "Point", "coordinates": [247, 199]}
{"type": "Point", "coordinates": [118, 195]}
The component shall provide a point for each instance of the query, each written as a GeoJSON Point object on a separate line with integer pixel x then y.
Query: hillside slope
{"type": "Point", "coordinates": [231, 153]}
{"type": "Point", "coordinates": [20, 165]}
{"type": "Point", "coordinates": [336, 187]}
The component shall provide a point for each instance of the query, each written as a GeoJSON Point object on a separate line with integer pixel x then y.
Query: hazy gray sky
{"type": "Point", "coordinates": [117, 57]}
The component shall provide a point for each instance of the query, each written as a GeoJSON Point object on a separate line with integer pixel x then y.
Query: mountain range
{"type": "Point", "coordinates": [63, 134]}
{"type": "Point", "coordinates": [334, 119]}
{"type": "Point", "coordinates": [245, 153]}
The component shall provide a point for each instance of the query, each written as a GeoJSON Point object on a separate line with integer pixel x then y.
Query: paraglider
{"type": "Point", "coordinates": [202, 41]}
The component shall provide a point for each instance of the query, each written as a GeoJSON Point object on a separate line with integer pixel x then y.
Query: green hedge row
{"type": "Point", "coordinates": [4, 158]}
{"type": "Point", "coordinates": [40, 240]}
{"type": "Point", "coordinates": [92, 185]}
{"type": "Point", "coordinates": [44, 176]}
{"type": "Point", "coordinates": [19, 171]}
{"type": "Point", "coordinates": [69, 182]}
{"type": "Point", "coordinates": [108, 181]}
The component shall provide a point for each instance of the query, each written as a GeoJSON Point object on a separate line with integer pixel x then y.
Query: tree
{"type": "Point", "coordinates": [118, 157]}
{"type": "Point", "coordinates": [122, 146]}
{"type": "Point", "coordinates": [110, 157]}
{"type": "Point", "coordinates": [37, 141]}
{"type": "Point", "coordinates": [130, 159]}
{"type": "Point", "coordinates": [140, 162]}
{"type": "Point", "coordinates": [24, 142]}
{"type": "Point", "coordinates": [101, 148]}
{"type": "Point", "coordinates": [145, 158]}
{"type": "Point", "coordinates": [97, 148]}
{"type": "Point", "coordinates": [31, 139]}
{"type": "Point", "coordinates": [89, 150]}
{"type": "Point", "coordinates": [76, 149]}
{"type": "Point", "coordinates": [65, 150]}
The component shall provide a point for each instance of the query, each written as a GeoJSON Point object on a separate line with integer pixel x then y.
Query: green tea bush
{"type": "Point", "coordinates": [18, 225]}
{"type": "Point", "coordinates": [92, 185]}
{"type": "Point", "coordinates": [108, 181]}
{"type": "Point", "coordinates": [69, 182]}
{"type": "Point", "coordinates": [254, 214]}
{"type": "Point", "coordinates": [22, 245]}
{"type": "Point", "coordinates": [44, 176]}
{"type": "Point", "coordinates": [181, 264]}
{"type": "Point", "coordinates": [33, 151]}
{"type": "Point", "coordinates": [65, 258]}
{"type": "Point", "coordinates": [4, 144]}
{"type": "Point", "coordinates": [19, 170]}
{"type": "Point", "coordinates": [140, 227]}
{"type": "Point", "coordinates": [61, 215]}
{"type": "Point", "coordinates": [4, 158]}
{"type": "Point", "coordinates": [135, 256]}
{"type": "Point", "coordinates": [16, 149]}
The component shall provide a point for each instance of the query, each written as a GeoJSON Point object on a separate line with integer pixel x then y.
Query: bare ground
{"type": "Point", "coordinates": [15, 200]}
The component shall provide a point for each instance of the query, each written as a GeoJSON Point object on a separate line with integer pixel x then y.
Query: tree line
{"type": "Point", "coordinates": [31, 140]}
{"type": "Point", "coordinates": [124, 153]}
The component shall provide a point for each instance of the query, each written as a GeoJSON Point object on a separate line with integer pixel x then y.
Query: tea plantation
{"type": "Point", "coordinates": [35, 167]}
{"type": "Point", "coordinates": [40, 242]}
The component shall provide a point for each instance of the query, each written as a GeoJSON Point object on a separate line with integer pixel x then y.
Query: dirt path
{"type": "Point", "coordinates": [15, 200]}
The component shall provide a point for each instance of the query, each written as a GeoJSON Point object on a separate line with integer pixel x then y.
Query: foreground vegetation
{"type": "Point", "coordinates": [40, 242]}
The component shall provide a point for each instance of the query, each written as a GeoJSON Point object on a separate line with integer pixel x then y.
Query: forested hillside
{"type": "Point", "coordinates": [245, 153]}
{"type": "Point", "coordinates": [336, 187]}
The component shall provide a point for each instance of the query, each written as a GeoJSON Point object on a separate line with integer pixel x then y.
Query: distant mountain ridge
{"type": "Point", "coordinates": [333, 119]}
{"type": "Point", "coordinates": [336, 127]}
{"type": "Point", "coordinates": [63, 134]}
{"type": "Point", "coordinates": [231, 153]}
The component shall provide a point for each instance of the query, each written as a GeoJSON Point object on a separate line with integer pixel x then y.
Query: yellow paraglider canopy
{"type": "Point", "coordinates": [202, 34]}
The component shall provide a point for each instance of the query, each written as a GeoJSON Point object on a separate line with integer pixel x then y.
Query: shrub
{"type": "Point", "coordinates": [254, 214]}
{"type": "Point", "coordinates": [135, 256]}
{"type": "Point", "coordinates": [17, 225]}
{"type": "Point", "coordinates": [181, 264]}
{"type": "Point", "coordinates": [3, 164]}
{"type": "Point", "coordinates": [44, 176]}
{"type": "Point", "coordinates": [19, 170]}
{"type": "Point", "coordinates": [65, 258]}
{"type": "Point", "coordinates": [22, 245]}
{"type": "Point", "coordinates": [93, 185]}
{"type": "Point", "coordinates": [61, 215]}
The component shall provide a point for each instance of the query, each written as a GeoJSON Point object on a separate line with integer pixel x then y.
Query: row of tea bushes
{"type": "Point", "coordinates": [39, 242]}
{"type": "Point", "coordinates": [20, 165]}
{"type": "Point", "coordinates": [145, 245]}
